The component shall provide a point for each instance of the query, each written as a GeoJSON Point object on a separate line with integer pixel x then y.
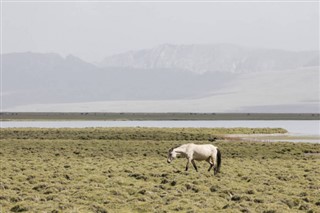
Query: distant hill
{"type": "Point", "coordinates": [203, 58]}
{"type": "Point", "coordinates": [34, 78]}
{"type": "Point", "coordinates": [41, 82]}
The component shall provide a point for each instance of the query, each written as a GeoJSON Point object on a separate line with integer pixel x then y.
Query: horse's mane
{"type": "Point", "coordinates": [170, 150]}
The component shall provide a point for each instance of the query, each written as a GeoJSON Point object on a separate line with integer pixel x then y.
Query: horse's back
{"type": "Point", "coordinates": [203, 151]}
{"type": "Point", "coordinates": [206, 146]}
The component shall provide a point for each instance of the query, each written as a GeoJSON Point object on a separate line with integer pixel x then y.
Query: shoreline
{"type": "Point", "coordinates": [277, 137]}
{"type": "Point", "coordinates": [171, 116]}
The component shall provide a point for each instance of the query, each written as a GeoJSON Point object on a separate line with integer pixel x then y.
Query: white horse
{"type": "Point", "coordinates": [198, 152]}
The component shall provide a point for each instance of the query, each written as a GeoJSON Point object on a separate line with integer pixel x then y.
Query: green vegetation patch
{"type": "Point", "coordinates": [132, 133]}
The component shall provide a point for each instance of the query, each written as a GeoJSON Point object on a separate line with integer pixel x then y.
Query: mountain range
{"type": "Point", "coordinates": [213, 58]}
{"type": "Point", "coordinates": [175, 78]}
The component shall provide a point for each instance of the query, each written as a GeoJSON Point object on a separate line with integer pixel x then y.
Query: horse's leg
{"type": "Point", "coordinates": [187, 166]}
{"type": "Point", "coordinates": [209, 160]}
{"type": "Point", "coordinates": [215, 171]}
{"type": "Point", "coordinates": [194, 165]}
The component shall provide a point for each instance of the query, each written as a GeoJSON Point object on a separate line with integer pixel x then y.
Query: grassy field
{"type": "Point", "coordinates": [81, 171]}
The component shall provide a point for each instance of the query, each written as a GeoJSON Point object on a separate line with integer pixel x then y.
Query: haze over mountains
{"type": "Point", "coordinates": [167, 78]}
{"type": "Point", "coordinates": [213, 58]}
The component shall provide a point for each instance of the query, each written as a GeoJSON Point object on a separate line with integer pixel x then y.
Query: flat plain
{"type": "Point", "coordinates": [125, 170]}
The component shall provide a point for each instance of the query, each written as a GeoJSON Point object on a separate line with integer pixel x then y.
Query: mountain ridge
{"type": "Point", "coordinates": [203, 58]}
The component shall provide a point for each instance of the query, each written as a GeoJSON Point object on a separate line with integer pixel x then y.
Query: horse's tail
{"type": "Point", "coordinates": [218, 161]}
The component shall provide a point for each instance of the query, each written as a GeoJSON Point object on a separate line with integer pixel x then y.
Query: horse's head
{"type": "Point", "coordinates": [171, 155]}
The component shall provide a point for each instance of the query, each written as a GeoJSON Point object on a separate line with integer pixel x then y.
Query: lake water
{"type": "Point", "coordinates": [296, 127]}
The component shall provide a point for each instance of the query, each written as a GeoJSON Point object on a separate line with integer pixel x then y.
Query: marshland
{"type": "Point", "coordinates": [125, 170]}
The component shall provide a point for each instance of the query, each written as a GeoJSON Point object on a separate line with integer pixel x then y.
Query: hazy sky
{"type": "Point", "coordinates": [93, 31]}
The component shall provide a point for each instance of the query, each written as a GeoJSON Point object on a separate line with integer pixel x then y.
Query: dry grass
{"type": "Point", "coordinates": [73, 175]}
